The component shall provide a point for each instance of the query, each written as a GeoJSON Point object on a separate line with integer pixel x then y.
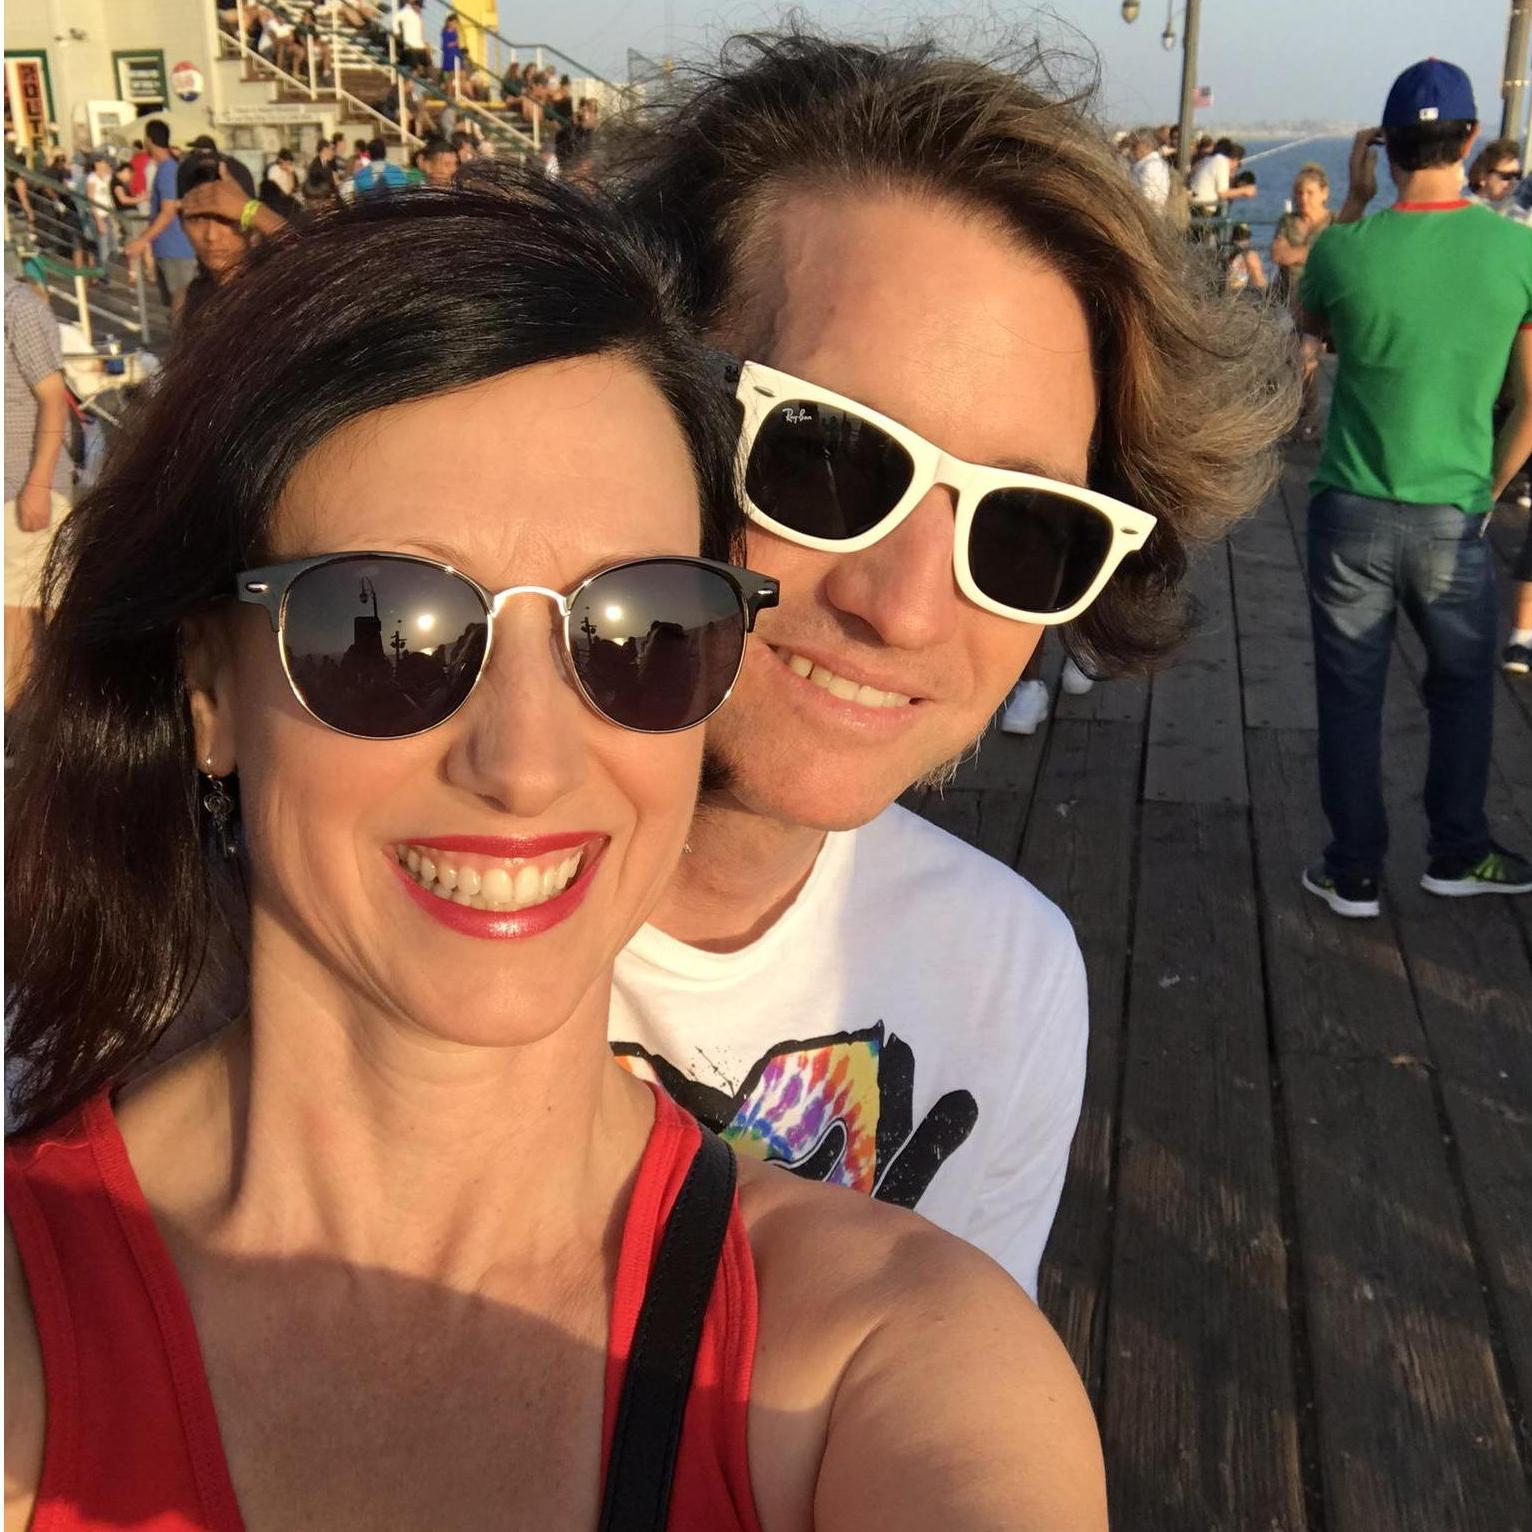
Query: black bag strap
{"type": "Point", "coordinates": [650, 1410]}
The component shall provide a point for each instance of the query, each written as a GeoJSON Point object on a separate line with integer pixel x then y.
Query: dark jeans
{"type": "Point", "coordinates": [1367, 560]}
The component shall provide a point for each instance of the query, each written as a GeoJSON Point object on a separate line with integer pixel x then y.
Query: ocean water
{"type": "Point", "coordinates": [1277, 165]}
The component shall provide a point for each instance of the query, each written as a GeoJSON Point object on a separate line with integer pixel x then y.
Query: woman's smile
{"type": "Point", "coordinates": [493, 888]}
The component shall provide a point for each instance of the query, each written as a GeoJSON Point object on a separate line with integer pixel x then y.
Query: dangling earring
{"type": "Point", "coordinates": [220, 808]}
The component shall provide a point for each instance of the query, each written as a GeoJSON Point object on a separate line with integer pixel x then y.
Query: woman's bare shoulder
{"type": "Point", "coordinates": [25, 1402]}
{"type": "Point", "coordinates": [940, 1391]}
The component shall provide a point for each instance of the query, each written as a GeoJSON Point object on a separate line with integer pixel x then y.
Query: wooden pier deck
{"type": "Point", "coordinates": [1294, 1256]}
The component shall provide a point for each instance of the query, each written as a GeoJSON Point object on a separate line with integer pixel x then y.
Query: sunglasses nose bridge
{"type": "Point", "coordinates": [949, 473]}
{"type": "Point", "coordinates": [498, 600]}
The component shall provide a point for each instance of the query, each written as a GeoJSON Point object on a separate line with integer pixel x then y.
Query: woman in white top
{"type": "Point", "coordinates": [102, 226]}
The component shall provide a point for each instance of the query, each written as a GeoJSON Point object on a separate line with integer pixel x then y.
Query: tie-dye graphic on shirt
{"type": "Point", "coordinates": [835, 1109]}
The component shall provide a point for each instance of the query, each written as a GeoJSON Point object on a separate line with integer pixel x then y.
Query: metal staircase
{"type": "Point", "coordinates": [367, 82]}
{"type": "Point", "coordinates": [354, 93]}
{"type": "Point", "coordinates": [45, 239]}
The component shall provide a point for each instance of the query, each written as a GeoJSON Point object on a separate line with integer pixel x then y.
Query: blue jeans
{"type": "Point", "coordinates": [1367, 560]}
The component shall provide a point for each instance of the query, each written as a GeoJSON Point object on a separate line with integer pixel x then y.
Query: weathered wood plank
{"type": "Point", "coordinates": [990, 820]}
{"type": "Point", "coordinates": [987, 800]}
{"type": "Point", "coordinates": [1200, 1419]}
{"type": "Point", "coordinates": [1413, 1428]}
{"type": "Point", "coordinates": [1509, 800]}
{"type": "Point", "coordinates": [1388, 1034]}
{"type": "Point", "coordinates": [1293, 491]}
{"type": "Point", "coordinates": [1471, 972]}
{"type": "Point", "coordinates": [1196, 745]}
{"type": "Point", "coordinates": [1337, 986]}
{"type": "Point", "coordinates": [1125, 700]}
{"type": "Point", "coordinates": [1272, 611]}
{"type": "Point", "coordinates": [1079, 850]}
{"type": "Point", "coordinates": [1507, 527]}
{"type": "Point", "coordinates": [955, 810]}
{"type": "Point", "coordinates": [1472, 977]}
{"type": "Point", "coordinates": [1495, 1146]}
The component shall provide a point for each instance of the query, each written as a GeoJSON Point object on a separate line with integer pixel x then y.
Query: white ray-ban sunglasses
{"type": "Point", "coordinates": [823, 471]}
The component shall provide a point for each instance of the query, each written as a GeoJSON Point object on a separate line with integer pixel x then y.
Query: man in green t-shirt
{"type": "Point", "coordinates": [1429, 304]}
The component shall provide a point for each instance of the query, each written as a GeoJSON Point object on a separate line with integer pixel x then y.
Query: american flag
{"type": "Point", "coordinates": [1203, 99]}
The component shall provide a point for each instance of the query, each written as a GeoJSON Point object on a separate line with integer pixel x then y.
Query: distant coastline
{"type": "Point", "coordinates": [1294, 129]}
{"type": "Point", "coordinates": [1219, 129]}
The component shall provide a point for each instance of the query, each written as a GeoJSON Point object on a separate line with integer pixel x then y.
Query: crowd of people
{"type": "Point", "coordinates": [500, 973]}
{"type": "Point", "coordinates": [107, 202]}
{"type": "Point", "coordinates": [440, 80]}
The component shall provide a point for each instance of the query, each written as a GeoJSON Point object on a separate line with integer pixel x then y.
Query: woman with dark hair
{"type": "Point", "coordinates": [452, 47]}
{"type": "Point", "coordinates": [1494, 176]}
{"type": "Point", "coordinates": [403, 1245]}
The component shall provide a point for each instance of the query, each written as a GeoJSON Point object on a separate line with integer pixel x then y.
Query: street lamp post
{"type": "Point", "coordinates": [1193, 20]}
{"type": "Point", "coordinates": [1518, 65]}
{"type": "Point", "coordinates": [1188, 84]}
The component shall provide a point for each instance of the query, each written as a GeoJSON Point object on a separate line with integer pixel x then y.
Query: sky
{"type": "Point", "coordinates": [1281, 60]}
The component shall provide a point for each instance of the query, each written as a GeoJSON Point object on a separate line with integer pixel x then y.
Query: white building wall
{"type": "Point", "coordinates": [81, 67]}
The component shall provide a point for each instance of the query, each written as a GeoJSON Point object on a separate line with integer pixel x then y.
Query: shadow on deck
{"type": "Point", "coordinates": [1294, 1256]}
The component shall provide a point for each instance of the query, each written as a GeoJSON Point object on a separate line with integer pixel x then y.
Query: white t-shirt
{"type": "Point", "coordinates": [1152, 177]}
{"type": "Point", "coordinates": [1210, 181]}
{"type": "Point", "coordinates": [914, 1026]}
{"type": "Point", "coordinates": [412, 29]}
{"type": "Point", "coordinates": [98, 192]}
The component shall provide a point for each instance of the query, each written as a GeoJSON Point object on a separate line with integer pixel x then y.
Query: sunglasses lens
{"type": "Point", "coordinates": [1035, 550]}
{"type": "Point", "coordinates": [825, 472]}
{"type": "Point", "coordinates": [383, 647]}
{"type": "Point", "coordinates": [657, 644]}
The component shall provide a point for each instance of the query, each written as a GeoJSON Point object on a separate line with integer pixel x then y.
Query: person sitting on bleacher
{"type": "Point", "coordinates": [377, 176]}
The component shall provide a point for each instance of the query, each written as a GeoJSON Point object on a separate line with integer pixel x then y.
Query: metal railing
{"type": "Point", "coordinates": [52, 226]}
{"type": "Point", "coordinates": [374, 46]}
{"type": "Point", "coordinates": [499, 52]}
{"type": "Point", "coordinates": [380, 46]}
{"type": "Point", "coordinates": [312, 86]}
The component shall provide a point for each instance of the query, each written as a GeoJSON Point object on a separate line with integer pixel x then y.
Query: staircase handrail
{"type": "Point", "coordinates": [54, 188]}
{"type": "Point", "coordinates": [582, 70]}
{"type": "Point", "coordinates": [54, 269]}
{"type": "Point", "coordinates": [242, 46]}
{"type": "Point", "coordinates": [482, 114]}
{"type": "Point", "coordinates": [360, 38]}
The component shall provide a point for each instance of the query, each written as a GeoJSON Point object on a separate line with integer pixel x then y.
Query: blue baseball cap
{"type": "Point", "coordinates": [1430, 91]}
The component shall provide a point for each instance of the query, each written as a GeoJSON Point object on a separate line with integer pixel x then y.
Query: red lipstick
{"type": "Point", "coordinates": [505, 925]}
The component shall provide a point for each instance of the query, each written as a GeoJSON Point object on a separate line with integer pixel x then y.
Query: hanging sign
{"type": "Point", "coordinates": [186, 80]}
{"type": "Point", "coordinates": [141, 78]}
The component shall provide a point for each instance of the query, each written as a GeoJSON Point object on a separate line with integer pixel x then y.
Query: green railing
{"type": "Point", "coordinates": [45, 228]}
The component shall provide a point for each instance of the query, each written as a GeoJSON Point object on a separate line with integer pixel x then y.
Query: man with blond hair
{"type": "Point", "coordinates": [942, 309]}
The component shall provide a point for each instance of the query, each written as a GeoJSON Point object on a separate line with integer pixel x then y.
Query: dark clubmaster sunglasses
{"type": "Point", "coordinates": [825, 472]}
{"type": "Point", "coordinates": [386, 645]}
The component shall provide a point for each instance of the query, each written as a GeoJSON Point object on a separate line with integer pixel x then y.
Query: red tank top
{"type": "Point", "coordinates": [132, 1440]}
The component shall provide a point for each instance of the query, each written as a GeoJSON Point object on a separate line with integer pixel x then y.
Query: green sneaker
{"type": "Point", "coordinates": [1498, 871]}
{"type": "Point", "coordinates": [1351, 895]}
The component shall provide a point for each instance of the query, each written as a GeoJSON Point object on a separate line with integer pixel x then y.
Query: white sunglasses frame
{"type": "Point", "coordinates": [762, 389]}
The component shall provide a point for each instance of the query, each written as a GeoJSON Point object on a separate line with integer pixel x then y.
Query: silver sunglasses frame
{"type": "Point", "coordinates": [270, 585]}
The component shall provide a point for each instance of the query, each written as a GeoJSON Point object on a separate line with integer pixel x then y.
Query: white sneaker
{"type": "Point", "coordinates": [1074, 680]}
{"type": "Point", "coordinates": [1026, 707]}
